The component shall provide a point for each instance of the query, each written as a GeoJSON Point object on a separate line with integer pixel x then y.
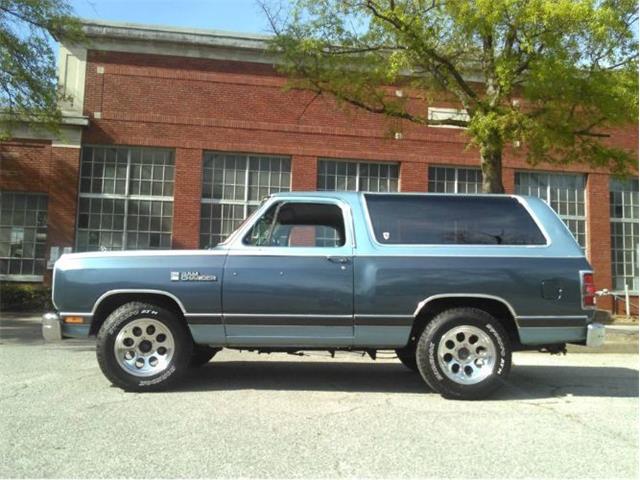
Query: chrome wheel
{"type": "Point", "coordinates": [144, 347]}
{"type": "Point", "coordinates": [466, 354]}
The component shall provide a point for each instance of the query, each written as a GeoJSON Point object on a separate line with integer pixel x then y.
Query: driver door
{"type": "Point", "coordinates": [290, 282]}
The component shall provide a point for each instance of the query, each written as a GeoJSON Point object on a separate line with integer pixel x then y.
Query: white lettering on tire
{"type": "Point", "coordinates": [432, 361]}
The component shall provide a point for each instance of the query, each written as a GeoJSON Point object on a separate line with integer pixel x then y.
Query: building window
{"type": "Point", "coordinates": [455, 180]}
{"type": "Point", "coordinates": [233, 186]}
{"type": "Point", "coordinates": [564, 192]}
{"type": "Point", "coordinates": [624, 233]}
{"type": "Point", "coordinates": [23, 236]}
{"type": "Point", "coordinates": [126, 198]}
{"type": "Point", "coordinates": [444, 113]}
{"type": "Point", "coordinates": [357, 176]}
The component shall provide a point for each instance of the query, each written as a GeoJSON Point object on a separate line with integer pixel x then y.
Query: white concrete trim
{"type": "Point", "coordinates": [72, 65]}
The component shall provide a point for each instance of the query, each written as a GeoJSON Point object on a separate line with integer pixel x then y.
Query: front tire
{"type": "Point", "coordinates": [143, 347]}
{"type": "Point", "coordinates": [464, 353]}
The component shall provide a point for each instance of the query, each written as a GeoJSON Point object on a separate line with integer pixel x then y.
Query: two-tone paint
{"type": "Point", "coordinates": [359, 295]}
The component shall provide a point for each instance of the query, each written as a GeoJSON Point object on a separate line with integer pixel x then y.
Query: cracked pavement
{"type": "Point", "coordinates": [248, 415]}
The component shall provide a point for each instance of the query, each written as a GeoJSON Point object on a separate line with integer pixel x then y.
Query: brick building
{"type": "Point", "coordinates": [172, 136]}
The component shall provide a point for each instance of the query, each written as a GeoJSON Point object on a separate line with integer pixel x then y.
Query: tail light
{"type": "Point", "coordinates": [588, 290]}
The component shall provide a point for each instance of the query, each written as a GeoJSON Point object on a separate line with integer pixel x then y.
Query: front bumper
{"type": "Point", "coordinates": [595, 335]}
{"type": "Point", "coordinates": [51, 327]}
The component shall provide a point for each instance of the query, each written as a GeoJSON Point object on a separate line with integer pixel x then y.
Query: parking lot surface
{"type": "Point", "coordinates": [249, 415]}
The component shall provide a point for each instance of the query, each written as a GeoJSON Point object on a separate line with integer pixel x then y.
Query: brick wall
{"type": "Point", "coordinates": [598, 232]}
{"type": "Point", "coordinates": [35, 166]}
{"type": "Point", "coordinates": [192, 105]}
{"type": "Point", "coordinates": [196, 104]}
{"type": "Point", "coordinates": [186, 198]}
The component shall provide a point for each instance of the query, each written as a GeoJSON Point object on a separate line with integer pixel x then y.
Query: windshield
{"type": "Point", "coordinates": [250, 218]}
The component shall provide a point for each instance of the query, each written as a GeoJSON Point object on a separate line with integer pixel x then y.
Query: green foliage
{"type": "Point", "coordinates": [24, 297]}
{"type": "Point", "coordinates": [553, 76]}
{"type": "Point", "coordinates": [28, 90]}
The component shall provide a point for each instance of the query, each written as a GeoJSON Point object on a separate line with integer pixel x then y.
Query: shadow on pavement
{"type": "Point", "coordinates": [525, 382]}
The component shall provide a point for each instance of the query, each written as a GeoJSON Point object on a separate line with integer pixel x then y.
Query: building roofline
{"type": "Point", "coordinates": [123, 31]}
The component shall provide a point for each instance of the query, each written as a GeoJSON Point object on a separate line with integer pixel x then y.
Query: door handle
{"type": "Point", "coordinates": [340, 260]}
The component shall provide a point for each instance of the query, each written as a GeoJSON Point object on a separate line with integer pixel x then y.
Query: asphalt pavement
{"type": "Point", "coordinates": [248, 415]}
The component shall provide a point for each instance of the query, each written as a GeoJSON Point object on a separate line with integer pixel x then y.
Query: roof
{"type": "Point", "coordinates": [124, 31]}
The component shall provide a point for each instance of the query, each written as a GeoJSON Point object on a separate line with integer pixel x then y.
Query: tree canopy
{"type": "Point", "coordinates": [28, 90]}
{"type": "Point", "coordinates": [553, 77]}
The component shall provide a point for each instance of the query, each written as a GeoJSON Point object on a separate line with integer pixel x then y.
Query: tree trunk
{"type": "Point", "coordinates": [491, 164]}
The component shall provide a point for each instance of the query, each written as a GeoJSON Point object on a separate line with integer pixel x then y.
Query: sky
{"type": "Point", "coordinates": [231, 15]}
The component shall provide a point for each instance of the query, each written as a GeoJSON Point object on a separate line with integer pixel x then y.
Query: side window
{"type": "Point", "coordinates": [452, 220]}
{"type": "Point", "coordinates": [290, 224]}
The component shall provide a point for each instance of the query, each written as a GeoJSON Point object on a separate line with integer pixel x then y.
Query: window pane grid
{"type": "Point", "coordinates": [564, 192]}
{"type": "Point", "coordinates": [23, 233]}
{"type": "Point", "coordinates": [233, 186]}
{"type": "Point", "coordinates": [138, 212]}
{"type": "Point", "coordinates": [344, 175]}
{"type": "Point", "coordinates": [455, 180]}
{"type": "Point", "coordinates": [624, 233]}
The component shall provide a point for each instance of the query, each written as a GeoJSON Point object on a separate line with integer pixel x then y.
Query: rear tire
{"type": "Point", "coordinates": [201, 355]}
{"type": "Point", "coordinates": [464, 353]}
{"type": "Point", "coordinates": [407, 356]}
{"type": "Point", "coordinates": [143, 347]}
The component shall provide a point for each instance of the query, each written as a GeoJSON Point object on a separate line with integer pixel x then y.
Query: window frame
{"type": "Point", "coordinates": [448, 113]}
{"type": "Point", "coordinates": [126, 196]}
{"type": "Point", "coordinates": [547, 200]}
{"type": "Point", "coordinates": [456, 181]}
{"type": "Point", "coordinates": [22, 277]}
{"type": "Point", "coordinates": [245, 203]}
{"type": "Point", "coordinates": [527, 208]}
{"type": "Point", "coordinates": [621, 221]}
{"type": "Point", "coordinates": [237, 244]}
{"type": "Point", "coordinates": [358, 176]}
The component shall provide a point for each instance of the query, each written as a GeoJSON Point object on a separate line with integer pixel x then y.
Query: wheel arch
{"type": "Point", "coordinates": [498, 307]}
{"type": "Point", "coordinates": [113, 299]}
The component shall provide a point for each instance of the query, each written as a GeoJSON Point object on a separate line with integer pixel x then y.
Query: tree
{"type": "Point", "coordinates": [553, 77]}
{"type": "Point", "coordinates": [28, 92]}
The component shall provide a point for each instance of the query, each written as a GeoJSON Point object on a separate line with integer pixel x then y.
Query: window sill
{"type": "Point", "coordinates": [21, 278]}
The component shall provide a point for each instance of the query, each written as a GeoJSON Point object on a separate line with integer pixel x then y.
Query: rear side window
{"type": "Point", "coordinates": [451, 220]}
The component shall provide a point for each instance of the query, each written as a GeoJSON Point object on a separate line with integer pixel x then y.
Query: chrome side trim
{"type": "Point", "coordinates": [146, 253]}
{"type": "Point", "coordinates": [285, 315]}
{"type": "Point", "coordinates": [156, 292]}
{"type": "Point", "coordinates": [462, 295]}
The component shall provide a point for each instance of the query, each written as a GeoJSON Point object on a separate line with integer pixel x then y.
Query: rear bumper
{"type": "Point", "coordinates": [51, 327]}
{"type": "Point", "coordinates": [595, 335]}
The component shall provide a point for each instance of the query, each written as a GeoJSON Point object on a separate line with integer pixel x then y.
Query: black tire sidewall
{"type": "Point", "coordinates": [427, 353]}
{"type": "Point", "coordinates": [125, 315]}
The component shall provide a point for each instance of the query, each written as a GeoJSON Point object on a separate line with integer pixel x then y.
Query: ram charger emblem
{"type": "Point", "coordinates": [192, 277]}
